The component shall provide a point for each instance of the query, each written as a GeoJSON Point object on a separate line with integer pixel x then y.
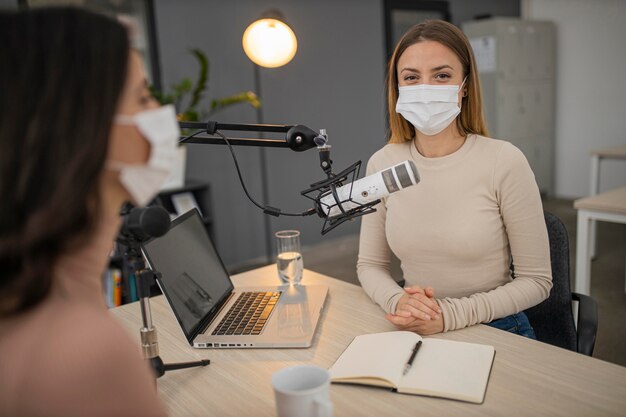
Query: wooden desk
{"type": "Point", "coordinates": [597, 155]}
{"type": "Point", "coordinates": [610, 207]}
{"type": "Point", "coordinates": [528, 378]}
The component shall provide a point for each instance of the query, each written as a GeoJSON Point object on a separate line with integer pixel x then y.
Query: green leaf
{"type": "Point", "coordinates": [203, 75]}
{"type": "Point", "coordinates": [160, 96]}
{"type": "Point", "coordinates": [191, 115]}
{"type": "Point", "coordinates": [243, 97]}
{"type": "Point", "coordinates": [184, 86]}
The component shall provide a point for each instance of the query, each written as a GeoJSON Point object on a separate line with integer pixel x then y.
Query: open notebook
{"type": "Point", "coordinates": [441, 368]}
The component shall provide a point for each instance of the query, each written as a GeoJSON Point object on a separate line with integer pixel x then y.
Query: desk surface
{"type": "Point", "coordinates": [613, 201]}
{"type": "Point", "coordinates": [528, 377]}
{"type": "Point", "coordinates": [616, 152]}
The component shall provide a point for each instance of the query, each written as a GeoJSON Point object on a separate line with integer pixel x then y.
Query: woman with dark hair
{"type": "Point", "coordinates": [79, 135]}
{"type": "Point", "coordinates": [476, 211]}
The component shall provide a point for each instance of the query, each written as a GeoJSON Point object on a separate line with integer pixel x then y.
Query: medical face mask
{"type": "Point", "coordinates": [160, 128]}
{"type": "Point", "coordinates": [430, 108]}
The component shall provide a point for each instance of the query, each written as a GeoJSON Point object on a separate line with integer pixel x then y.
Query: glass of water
{"type": "Point", "coordinates": [289, 257]}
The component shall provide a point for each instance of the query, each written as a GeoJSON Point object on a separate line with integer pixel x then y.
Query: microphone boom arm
{"type": "Point", "coordinates": [297, 138]}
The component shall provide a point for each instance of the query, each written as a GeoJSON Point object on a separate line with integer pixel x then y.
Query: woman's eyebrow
{"type": "Point", "coordinates": [435, 69]}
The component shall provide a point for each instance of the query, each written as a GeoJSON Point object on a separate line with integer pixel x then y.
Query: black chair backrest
{"type": "Point", "coordinates": [552, 319]}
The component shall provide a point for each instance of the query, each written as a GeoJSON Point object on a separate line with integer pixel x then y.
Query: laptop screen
{"type": "Point", "coordinates": [194, 279]}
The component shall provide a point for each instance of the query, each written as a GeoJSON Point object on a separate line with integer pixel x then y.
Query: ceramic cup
{"type": "Point", "coordinates": [302, 391]}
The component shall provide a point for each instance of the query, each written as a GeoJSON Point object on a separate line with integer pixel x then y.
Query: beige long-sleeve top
{"type": "Point", "coordinates": [68, 356]}
{"type": "Point", "coordinates": [457, 231]}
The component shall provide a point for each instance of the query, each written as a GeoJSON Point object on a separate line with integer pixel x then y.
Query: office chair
{"type": "Point", "coordinates": [552, 319]}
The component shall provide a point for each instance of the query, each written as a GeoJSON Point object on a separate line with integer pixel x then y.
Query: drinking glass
{"type": "Point", "coordinates": [289, 257]}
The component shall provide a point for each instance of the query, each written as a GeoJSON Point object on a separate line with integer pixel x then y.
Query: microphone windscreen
{"type": "Point", "coordinates": [154, 221]}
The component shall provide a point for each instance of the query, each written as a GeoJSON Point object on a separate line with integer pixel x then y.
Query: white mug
{"type": "Point", "coordinates": [302, 391]}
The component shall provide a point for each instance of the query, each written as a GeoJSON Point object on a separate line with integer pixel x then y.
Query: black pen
{"type": "Point", "coordinates": [412, 358]}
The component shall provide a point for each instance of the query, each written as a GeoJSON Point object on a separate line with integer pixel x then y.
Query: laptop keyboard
{"type": "Point", "coordinates": [249, 314]}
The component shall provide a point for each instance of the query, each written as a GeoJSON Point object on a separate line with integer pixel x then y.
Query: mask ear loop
{"type": "Point", "coordinates": [461, 86]}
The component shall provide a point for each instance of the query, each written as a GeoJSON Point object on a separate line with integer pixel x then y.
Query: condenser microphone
{"type": "Point", "coordinates": [368, 189]}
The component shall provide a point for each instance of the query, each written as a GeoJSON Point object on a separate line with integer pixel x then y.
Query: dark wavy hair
{"type": "Point", "coordinates": [62, 72]}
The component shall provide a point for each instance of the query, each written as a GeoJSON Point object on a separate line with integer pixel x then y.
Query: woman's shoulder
{"type": "Point", "coordinates": [390, 154]}
{"type": "Point", "coordinates": [88, 359]}
{"type": "Point", "coordinates": [94, 337]}
{"type": "Point", "coordinates": [499, 150]}
{"type": "Point", "coordinates": [508, 163]}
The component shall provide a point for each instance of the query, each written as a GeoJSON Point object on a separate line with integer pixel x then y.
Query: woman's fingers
{"type": "Point", "coordinates": [419, 311]}
{"type": "Point", "coordinates": [415, 289]}
{"type": "Point", "coordinates": [429, 292]}
{"type": "Point", "coordinates": [419, 306]}
{"type": "Point", "coordinates": [402, 312]}
{"type": "Point", "coordinates": [410, 324]}
{"type": "Point", "coordinates": [398, 320]}
{"type": "Point", "coordinates": [422, 303]}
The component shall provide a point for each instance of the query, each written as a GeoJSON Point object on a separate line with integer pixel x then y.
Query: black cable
{"type": "Point", "coordinates": [266, 209]}
{"type": "Point", "coordinates": [183, 140]}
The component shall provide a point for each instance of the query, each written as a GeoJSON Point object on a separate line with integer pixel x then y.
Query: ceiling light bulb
{"type": "Point", "coordinates": [269, 43]}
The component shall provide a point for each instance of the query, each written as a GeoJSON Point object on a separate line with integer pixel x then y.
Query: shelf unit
{"type": "Point", "coordinates": [516, 63]}
{"type": "Point", "coordinates": [202, 196]}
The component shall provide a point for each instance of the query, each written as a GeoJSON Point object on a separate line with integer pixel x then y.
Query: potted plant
{"type": "Point", "coordinates": [185, 96]}
{"type": "Point", "coordinates": [187, 107]}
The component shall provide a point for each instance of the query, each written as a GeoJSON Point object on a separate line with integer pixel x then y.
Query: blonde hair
{"type": "Point", "coordinates": [470, 120]}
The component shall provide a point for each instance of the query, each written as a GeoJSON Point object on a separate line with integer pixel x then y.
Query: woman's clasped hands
{"type": "Point", "coordinates": [418, 311]}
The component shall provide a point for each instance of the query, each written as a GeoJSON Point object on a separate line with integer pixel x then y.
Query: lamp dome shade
{"type": "Point", "coordinates": [269, 43]}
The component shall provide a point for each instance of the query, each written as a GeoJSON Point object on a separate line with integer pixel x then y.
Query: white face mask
{"type": "Point", "coordinates": [430, 108]}
{"type": "Point", "coordinates": [160, 128]}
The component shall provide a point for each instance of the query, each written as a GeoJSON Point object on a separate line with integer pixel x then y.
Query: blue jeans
{"type": "Point", "coordinates": [515, 323]}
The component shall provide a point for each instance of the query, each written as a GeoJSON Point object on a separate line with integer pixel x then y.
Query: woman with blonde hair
{"type": "Point", "coordinates": [471, 235]}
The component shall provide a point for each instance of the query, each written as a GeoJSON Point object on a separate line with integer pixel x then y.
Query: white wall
{"type": "Point", "coordinates": [591, 87]}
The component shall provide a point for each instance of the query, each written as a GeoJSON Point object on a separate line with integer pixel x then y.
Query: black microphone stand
{"type": "Point", "coordinates": [149, 343]}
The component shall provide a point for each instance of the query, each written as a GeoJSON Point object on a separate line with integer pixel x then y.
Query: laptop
{"type": "Point", "coordinates": [211, 312]}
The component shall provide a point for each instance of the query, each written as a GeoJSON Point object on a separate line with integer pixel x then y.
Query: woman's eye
{"type": "Point", "coordinates": [410, 78]}
{"type": "Point", "coordinates": [442, 76]}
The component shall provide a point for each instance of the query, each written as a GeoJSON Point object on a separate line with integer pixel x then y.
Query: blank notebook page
{"type": "Point", "coordinates": [380, 355]}
{"type": "Point", "coordinates": [460, 370]}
